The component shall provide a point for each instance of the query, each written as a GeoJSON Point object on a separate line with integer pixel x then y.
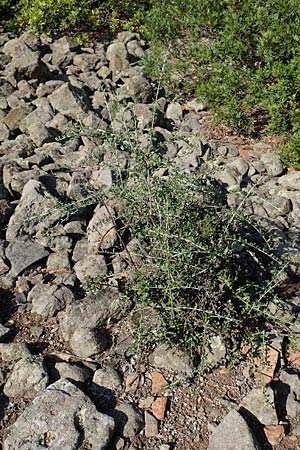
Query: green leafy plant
{"type": "Point", "coordinates": [205, 271]}
{"type": "Point", "coordinates": [240, 56]}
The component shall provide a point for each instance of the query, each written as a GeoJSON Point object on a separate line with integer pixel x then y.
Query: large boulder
{"type": "Point", "coordinates": [62, 417]}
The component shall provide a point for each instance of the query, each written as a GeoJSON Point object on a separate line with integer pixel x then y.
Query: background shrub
{"type": "Point", "coordinates": [241, 55]}
{"type": "Point", "coordinates": [52, 17]}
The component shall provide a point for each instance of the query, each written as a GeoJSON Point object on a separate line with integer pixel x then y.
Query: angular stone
{"type": "Point", "coordinates": [117, 56]}
{"type": "Point", "coordinates": [233, 433]}
{"type": "Point", "coordinates": [83, 323]}
{"type": "Point", "coordinates": [27, 379]}
{"type": "Point", "coordinates": [174, 111]}
{"type": "Point", "coordinates": [6, 88]}
{"type": "Point", "coordinates": [63, 50]}
{"type": "Point", "coordinates": [64, 418]}
{"type": "Point", "coordinates": [58, 262]}
{"type": "Point", "coordinates": [151, 425]}
{"type": "Point", "coordinates": [101, 230]}
{"type": "Point", "coordinates": [27, 64]}
{"type": "Point", "coordinates": [215, 351]}
{"type": "Point", "coordinates": [70, 101]}
{"type": "Point", "coordinates": [260, 403]}
{"type": "Point", "coordinates": [74, 372]}
{"type": "Point", "coordinates": [4, 331]}
{"type": "Point", "coordinates": [48, 300]}
{"type": "Point", "coordinates": [289, 392]}
{"type": "Point", "coordinates": [240, 165]}
{"type": "Point", "coordinates": [129, 419]}
{"type": "Point", "coordinates": [36, 212]}
{"type": "Point", "coordinates": [272, 164]}
{"type": "Point", "coordinates": [277, 206]}
{"type": "Point", "coordinates": [90, 267]}
{"type": "Point", "coordinates": [138, 88]}
{"type": "Point", "coordinates": [164, 357]}
{"type": "Point", "coordinates": [40, 115]}
{"type": "Point", "coordinates": [14, 351]}
{"type": "Point", "coordinates": [107, 377]}
{"type": "Point", "coordinates": [39, 134]}
{"type": "Point", "coordinates": [4, 132]}
{"type": "Point", "coordinates": [22, 254]}
{"type": "Point", "coordinates": [14, 117]}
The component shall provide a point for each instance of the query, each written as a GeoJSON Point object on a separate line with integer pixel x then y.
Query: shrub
{"type": "Point", "coordinates": [50, 16]}
{"type": "Point", "coordinates": [207, 271]}
{"type": "Point", "coordinates": [242, 56]}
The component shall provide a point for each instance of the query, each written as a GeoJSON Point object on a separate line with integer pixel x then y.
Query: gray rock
{"type": "Point", "coordinates": [101, 230]}
{"type": "Point", "coordinates": [277, 206]}
{"type": "Point", "coordinates": [86, 62]}
{"type": "Point", "coordinates": [14, 351]}
{"type": "Point", "coordinates": [22, 254]}
{"type": "Point", "coordinates": [27, 64]}
{"type": "Point", "coordinates": [4, 332]}
{"type": "Point", "coordinates": [260, 403]}
{"type": "Point", "coordinates": [4, 132]}
{"type": "Point", "coordinates": [290, 391]}
{"type": "Point", "coordinates": [47, 88]}
{"type": "Point", "coordinates": [89, 342]}
{"type": "Point", "coordinates": [80, 250]}
{"type": "Point", "coordinates": [27, 379]}
{"type": "Point", "coordinates": [83, 323]}
{"type": "Point", "coordinates": [63, 418]}
{"type": "Point", "coordinates": [233, 433]}
{"type": "Point", "coordinates": [101, 178]}
{"type": "Point", "coordinates": [117, 56]}
{"type": "Point", "coordinates": [129, 419]}
{"type": "Point", "coordinates": [70, 101]}
{"type": "Point", "coordinates": [40, 115]}
{"type": "Point", "coordinates": [36, 212]}
{"type": "Point", "coordinates": [145, 115]}
{"type": "Point", "coordinates": [56, 240]}
{"type": "Point", "coordinates": [228, 177]}
{"type": "Point", "coordinates": [190, 123]}
{"type": "Point", "coordinates": [76, 228]}
{"type": "Point", "coordinates": [174, 112]}
{"type": "Point", "coordinates": [151, 425]}
{"type": "Point", "coordinates": [6, 88]}
{"type": "Point", "coordinates": [63, 50]}
{"type": "Point", "coordinates": [14, 117]}
{"type": "Point", "coordinates": [164, 357]}
{"type": "Point", "coordinates": [79, 186]}
{"type": "Point", "coordinates": [15, 180]}
{"type": "Point", "coordinates": [135, 49]}
{"type": "Point", "coordinates": [4, 268]}
{"type": "Point", "coordinates": [215, 352]}
{"type": "Point", "coordinates": [90, 266]}
{"type": "Point", "coordinates": [240, 164]}
{"type": "Point", "coordinates": [58, 262]}
{"type": "Point", "coordinates": [107, 377]}
{"type": "Point", "coordinates": [290, 181]}
{"type": "Point", "coordinates": [39, 134]}
{"type": "Point", "coordinates": [272, 164]}
{"type": "Point", "coordinates": [138, 88]}
{"type": "Point", "coordinates": [73, 372]}
{"type": "Point", "coordinates": [48, 300]}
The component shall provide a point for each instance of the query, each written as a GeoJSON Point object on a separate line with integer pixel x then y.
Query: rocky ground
{"type": "Point", "coordinates": [70, 377]}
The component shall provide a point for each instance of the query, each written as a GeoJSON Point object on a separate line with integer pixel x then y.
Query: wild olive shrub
{"type": "Point", "coordinates": [193, 267]}
{"type": "Point", "coordinates": [204, 269]}
{"type": "Point", "coordinates": [241, 56]}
